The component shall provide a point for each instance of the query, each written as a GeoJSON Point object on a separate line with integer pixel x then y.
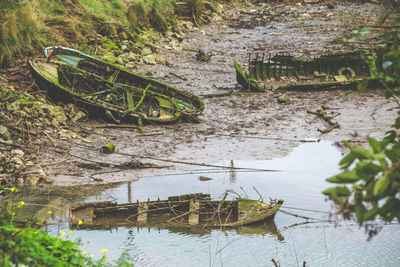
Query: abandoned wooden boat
{"type": "Point", "coordinates": [70, 75]}
{"type": "Point", "coordinates": [186, 210]}
{"type": "Point", "coordinates": [284, 72]}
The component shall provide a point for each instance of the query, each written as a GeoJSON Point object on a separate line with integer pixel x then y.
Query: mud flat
{"type": "Point", "coordinates": [238, 125]}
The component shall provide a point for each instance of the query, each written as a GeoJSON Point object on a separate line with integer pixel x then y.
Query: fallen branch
{"type": "Point", "coordinates": [151, 134]}
{"type": "Point", "coordinates": [51, 141]}
{"type": "Point", "coordinates": [178, 76]}
{"type": "Point", "coordinates": [124, 126]}
{"type": "Point", "coordinates": [125, 165]}
{"type": "Point", "coordinates": [322, 114]}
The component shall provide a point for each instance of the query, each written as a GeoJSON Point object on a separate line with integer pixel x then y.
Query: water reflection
{"type": "Point", "coordinates": [288, 238]}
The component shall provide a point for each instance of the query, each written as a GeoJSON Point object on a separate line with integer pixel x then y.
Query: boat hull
{"type": "Point", "coordinates": [195, 211]}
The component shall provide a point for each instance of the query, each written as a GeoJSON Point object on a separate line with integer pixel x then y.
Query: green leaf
{"type": "Point", "coordinates": [347, 160]}
{"type": "Point", "coordinates": [109, 148]}
{"type": "Point", "coordinates": [361, 153]}
{"type": "Point", "coordinates": [381, 185]}
{"type": "Point", "coordinates": [371, 214]}
{"type": "Point", "coordinates": [365, 31]}
{"type": "Point", "coordinates": [375, 144]}
{"type": "Point", "coordinates": [397, 123]}
{"type": "Point", "coordinates": [345, 177]}
{"type": "Point", "coordinates": [341, 191]}
{"type": "Point", "coordinates": [360, 211]}
{"type": "Point", "coordinates": [388, 94]}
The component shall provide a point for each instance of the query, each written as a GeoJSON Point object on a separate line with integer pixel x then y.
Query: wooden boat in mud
{"type": "Point", "coordinates": [103, 88]}
{"type": "Point", "coordinates": [193, 210]}
{"type": "Point", "coordinates": [284, 72]}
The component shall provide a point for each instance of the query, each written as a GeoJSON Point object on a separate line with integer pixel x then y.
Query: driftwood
{"type": "Point", "coordinates": [322, 114]}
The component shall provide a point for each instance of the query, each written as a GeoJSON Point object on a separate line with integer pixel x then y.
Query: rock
{"type": "Point", "coordinates": [146, 51]}
{"type": "Point", "coordinates": [150, 59]}
{"type": "Point", "coordinates": [161, 59]}
{"type": "Point", "coordinates": [178, 36]}
{"type": "Point", "coordinates": [31, 180]}
{"type": "Point", "coordinates": [67, 134]}
{"type": "Point", "coordinates": [130, 65]}
{"type": "Point", "coordinates": [133, 56]}
{"type": "Point", "coordinates": [4, 133]}
{"type": "Point", "coordinates": [34, 175]}
{"type": "Point", "coordinates": [17, 161]}
{"type": "Point", "coordinates": [17, 152]}
{"type": "Point", "coordinates": [120, 61]}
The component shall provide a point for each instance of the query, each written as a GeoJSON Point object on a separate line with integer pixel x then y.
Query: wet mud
{"type": "Point", "coordinates": [241, 125]}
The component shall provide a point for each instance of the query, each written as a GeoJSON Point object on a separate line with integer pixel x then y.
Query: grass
{"type": "Point", "coordinates": [26, 28]}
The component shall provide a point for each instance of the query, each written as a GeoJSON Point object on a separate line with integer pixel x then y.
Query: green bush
{"type": "Point", "coordinates": [25, 245]}
{"type": "Point", "coordinates": [370, 180]}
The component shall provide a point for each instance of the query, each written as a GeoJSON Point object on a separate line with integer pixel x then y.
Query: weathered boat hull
{"type": "Point", "coordinates": [48, 75]}
{"type": "Point", "coordinates": [195, 210]}
{"type": "Point", "coordinates": [283, 72]}
{"type": "Point", "coordinates": [191, 105]}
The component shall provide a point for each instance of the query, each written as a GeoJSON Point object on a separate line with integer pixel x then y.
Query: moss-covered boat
{"type": "Point", "coordinates": [102, 88]}
{"type": "Point", "coordinates": [185, 210]}
{"type": "Point", "coordinates": [336, 71]}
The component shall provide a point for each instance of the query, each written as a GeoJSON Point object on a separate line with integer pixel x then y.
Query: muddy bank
{"type": "Point", "coordinates": [238, 126]}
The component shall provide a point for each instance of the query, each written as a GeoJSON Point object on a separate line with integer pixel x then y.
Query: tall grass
{"type": "Point", "coordinates": [25, 28]}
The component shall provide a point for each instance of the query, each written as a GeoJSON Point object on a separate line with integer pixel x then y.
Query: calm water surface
{"type": "Point", "coordinates": [289, 239]}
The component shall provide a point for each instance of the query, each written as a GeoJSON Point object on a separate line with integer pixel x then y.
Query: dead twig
{"type": "Point", "coordinates": [322, 114]}
{"type": "Point", "coordinates": [51, 141]}
{"type": "Point", "coordinates": [178, 76]}
{"type": "Point", "coordinates": [151, 134]}
{"type": "Point", "coordinates": [275, 262]}
{"type": "Point", "coordinates": [123, 126]}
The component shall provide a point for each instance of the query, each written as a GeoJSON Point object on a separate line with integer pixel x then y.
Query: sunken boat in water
{"type": "Point", "coordinates": [106, 89]}
{"type": "Point", "coordinates": [285, 72]}
{"type": "Point", "coordinates": [185, 210]}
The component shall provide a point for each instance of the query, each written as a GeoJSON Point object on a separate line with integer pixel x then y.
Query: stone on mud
{"type": "Point", "coordinates": [66, 134]}
{"type": "Point", "coordinates": [4, 133]}
{"type": "Point", "coordinates": [150, 59]}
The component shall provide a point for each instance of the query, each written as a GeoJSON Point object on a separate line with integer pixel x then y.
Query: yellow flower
{"type": "Point", "coordinates": [13, 189]}
{"type": "Point", "coordinates": [20, 204]}
{"type": "Point", "coordinates": [104, 250]}
{"type": "Point", "coordinates": [62, 233]}
{"type": "Point", "coordinates": [80, 222]}
{"type": "Point", "coordinates": [49, 212]}
{"type": "Point", "coordinates": [70, 231]}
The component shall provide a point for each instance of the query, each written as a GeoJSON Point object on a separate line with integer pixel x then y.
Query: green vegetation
{"type": "Point", "coordinates": [25, 28]}
{"type": "Point", "coordinates": [29, 246]}
{"type": "Point", "coordinates": [370, 181]}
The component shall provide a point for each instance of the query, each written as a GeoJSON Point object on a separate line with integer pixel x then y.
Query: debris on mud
{"type": "Point", "coordinates": [23, 118]}
{"type": "Point", "coordinates": [203, 56]}
{"type": "Point", "coordinates": [321, 113]}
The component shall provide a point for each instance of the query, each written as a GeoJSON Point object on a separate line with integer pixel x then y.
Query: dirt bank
{"type": "Point", "coordinates": [237, 126]}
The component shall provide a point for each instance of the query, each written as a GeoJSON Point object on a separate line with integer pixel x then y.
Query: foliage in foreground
{"type": "Point", "coordinates": [370, 180]}
{"type": "Point", "coordinates": [34, 247]}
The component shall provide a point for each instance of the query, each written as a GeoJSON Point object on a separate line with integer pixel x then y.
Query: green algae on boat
{"type": "Point", "coordinates": [193, 210]}
{"type": "Point", "coordinates": [285, 72]}
{"type": "Point", "coordinates": [70, 75]}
